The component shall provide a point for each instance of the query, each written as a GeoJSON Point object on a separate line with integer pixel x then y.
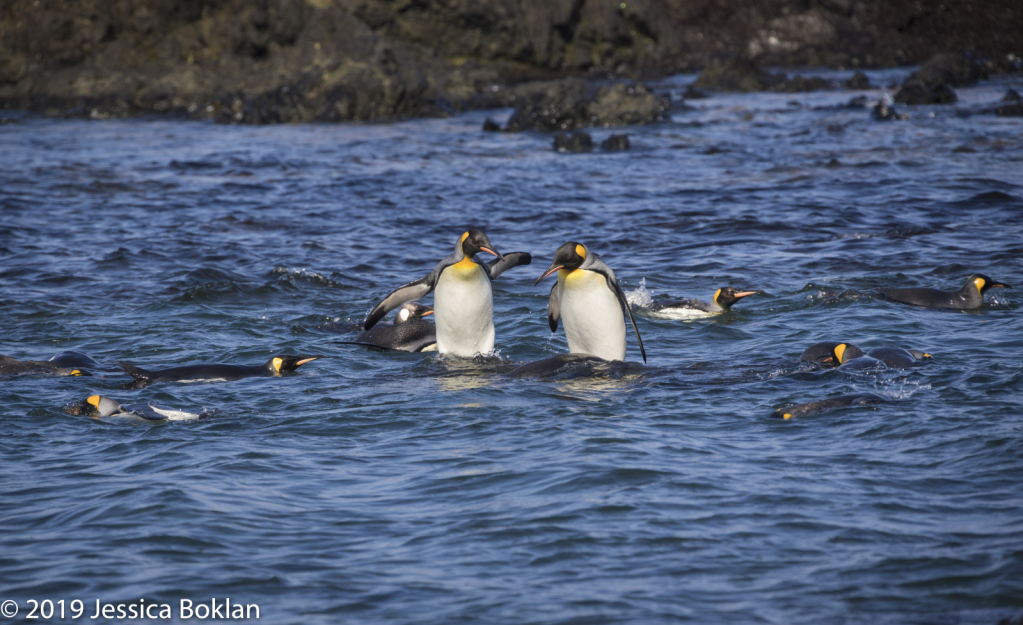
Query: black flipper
{"type": "Point", "coordinates": [405, 293]}
{"type": "Point", "coordinates": [142, 378]}
{"type": "Point", "coordinates": [500, 265]}
{"type": "Point", "coordinates": [554, 308]}
{"type": "Point", "coordinates": [613, 285]}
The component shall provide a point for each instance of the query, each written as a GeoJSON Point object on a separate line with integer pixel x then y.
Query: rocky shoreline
{"type": "Point", "coordinates": [278, 61]}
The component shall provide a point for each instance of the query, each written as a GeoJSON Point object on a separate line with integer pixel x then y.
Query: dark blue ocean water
{"type": "Point", "coordinates": [410, 488]}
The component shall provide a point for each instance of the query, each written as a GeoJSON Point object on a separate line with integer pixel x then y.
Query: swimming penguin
{"type": "Point", "coordinates": [722, 301]}
{"type": "Point", "coordinates": [967, 298]}
{"type": "Point", "coordinates": [13, 366]}
{"type": "Point", "coordinates": [562, 364]}
{"type": "Point", "coordinates": [276, 366]}
{"type": "Point", "coordinates": [409, 332]}
{"type": "Point", "coordinates": [100, 406]}
{"type": "Point", "coordinates": [462, 302]}
{"type": "Point", "coordinates": [587, 295]}
{"type": "Point", "coordinates": [815, 407]}
{"type": "Point", "coordinates": [837, 353]}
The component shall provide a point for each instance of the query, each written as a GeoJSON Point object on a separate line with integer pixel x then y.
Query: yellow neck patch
{"type": "Point", "coordinates": [94, 400]}
{"type": "Point", "coordinates": [277, 364]}
{"type": "Point", "coordinates": [716, 293]}
{"type": "Point", "coordinates": [787, 415]}
{"type": "Point", "coordinates": [464, 237]}
{"type": "Point", "coordinates": [76, 372]}
{"type": "Point", "coordinates": [839, 352]}
{"type": "Point", "coordinates": [581, 251]}
{"type": "Point", "coordinates": [979, 282]}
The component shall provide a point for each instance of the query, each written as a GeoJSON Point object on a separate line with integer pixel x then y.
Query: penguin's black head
{"type": "Point", "coordinates": [983, 283]}
{"type": "Point", "coordinates": [729, 295]}
{"type": "Point", "coordinates": [94, 406]}
{"type": "Point", "coordinates": [569, 256]}
{"type": "Point", "coordinates": [412, 310]}
{"type": "Point", "coordinates": [284, 363]}
{"type": "Point", "coordinates": [831, 353]}
{"type": "Point", "coordinates": [475, 241]}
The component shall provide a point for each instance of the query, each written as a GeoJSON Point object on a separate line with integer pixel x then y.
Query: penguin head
{"type": "Point", "coordinates": [919, 355]}
{"type": "Point", "coordinates": [729, 295]}
{"type": "Point", "coordinates": [844, 352]}
{"type": "Point", "coordinates": [412, 310]}
{"type": "Point", "coordinates": [475, 241]}
{"type": "Point", "coordinates": [569, 256]}
{"type": "Point", "coordinates": [97, 406]}
{"type": "Point", "coordinates": [982, 283]}
{"type": "Point", "coordinates": [285, 363]}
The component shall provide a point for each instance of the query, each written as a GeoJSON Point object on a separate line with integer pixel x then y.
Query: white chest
{"type": "Point", "coordinates": [464, 311]}
{"type": "Point", "coordinates": [591, 314]}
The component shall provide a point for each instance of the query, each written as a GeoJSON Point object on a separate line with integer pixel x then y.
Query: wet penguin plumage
{"type": "Point", "coordinates": [969, 297]}
{"type": "Point", "coordinates": [98, 406]}
{"type": "Point", "coordinates": [13, 366]}
{"type": "Point", "coordinates": [587, 296]}
{"type": "Point", "coordinates": [837, 353]}
{"type": "Point", "coordinates": [463, 300]}
{"type": "Point", "coordinates": [824, 405]}
{"type": "Point", "coordinates": [722, 301]}
{"type": "Point", "coordinates": [409, 332]}
{"type": "Point", "coordinates": [276, 366]}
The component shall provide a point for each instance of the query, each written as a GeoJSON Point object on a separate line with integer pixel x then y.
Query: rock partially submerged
{"type": "Point", "coordinates": [743, 75]}
{"type": "Point", "coordinates": [576, 142]}
{"type": "Point", "coordinates": [916, 93]}
{"type": "Point", "coordinates": [885, 112]}
{"type": "Point", "coordinates": [615, 143]}
{"type": "Point", "coordinates": [572, 103]}
{"type": "Point", "coordinates": [933, 82]}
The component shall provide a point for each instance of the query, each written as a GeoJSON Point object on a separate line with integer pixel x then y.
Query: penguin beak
{"type": "Point", "coordinates": [488, 250]}
{"type": "Point", "coordinates": [305, 360]}
{"type": "Point", "coordinates": [999, 284]}
{"type": "Point", "coordinates": [746, 293]}
{"type": "Point", "coordinates": [427, 313]}
{"type": "Point", "coordinates": [554, 267]}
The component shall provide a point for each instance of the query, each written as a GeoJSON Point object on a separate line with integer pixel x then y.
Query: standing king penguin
{"type": "Point", "coordinates": [589, 299]}
{"type": "Point", "coordinates": [463, 303]}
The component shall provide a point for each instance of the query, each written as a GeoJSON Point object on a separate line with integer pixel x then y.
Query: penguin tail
{"type": "Point", "coordinates": [141, 377]}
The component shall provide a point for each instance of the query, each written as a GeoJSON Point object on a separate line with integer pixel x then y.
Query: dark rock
{"type": "Point", "coordinates": [576, 142]}
{"type": "Point", "coordinates": [491, 126]}
{"type": "Point", "coordinates": [570, 104]}
{"type": "Point", "coordinates": [1010, 110]}
{"type": "Point", "coordinates": [1012, 96]}
{"type": "Point", "coordinates": [836, 127]}
{"type": "Point", "coordinates": [859, 81]}
{"type": "Point", "coordinates": [916, 93]}
{"type": "Point", "coordinates": [692, 93]}
{"type": "Point", "coordinates": [951, 68]}
{"type": "Point", "coordinates": [743, 75]}
{"type": "Point", "coordinates": [562, 106]}
{"type": "Point", "coordinates": [833, 164]}
{"type": "Point", "coordinates": [616, 142]}
{"type": "Point", "coordinates": [734, 74]}
{"type": "Point", "coordinates": [859, 102]}
{"type": "Point", "coordinates": [885, 112]}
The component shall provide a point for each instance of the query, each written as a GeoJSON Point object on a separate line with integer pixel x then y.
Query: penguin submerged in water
{"type": "Point", "coordinates": [13, 366]}
{"type": "Point", "coordinates": [588, 298]}
{"type": "Point", "coordinates": [970, 297]}
{"type": "Point", "coordinates": [824, 405]}
{"type": "Point", "coordinates": [98, 406]}
{"type": "Point", "coordinates": [409, 332]}
{"type": "Point", "coordinates": [843, 354]}
{"type": "Point", "coordinates": [723, 300]}
{"type": "Point", "coordinates": [275, 367]}
{"type": "Point", "coordinates": [462, 298]}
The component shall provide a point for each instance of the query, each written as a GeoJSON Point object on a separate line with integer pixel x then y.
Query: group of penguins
{"type": "Point", "coordinates": [586, 298]}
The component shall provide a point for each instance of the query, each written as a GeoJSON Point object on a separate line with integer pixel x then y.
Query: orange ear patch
{"type": "Point", "coordinates": [580, 250]}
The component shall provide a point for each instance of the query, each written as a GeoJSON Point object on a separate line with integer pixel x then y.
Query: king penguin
{"type": "Point", "coordinates": [275, 367]}
{"type": "Point", "coordinates": [588, 298]}
{"type": "Point", "coordinates": [409, 332]}
{"type": "Point", "coordinates": [463, 301]}
{"type": "Point", "coordinates": [98, 406]}
{"type": "Point", "coordinates": [722, 301]}
{"type": "Point", "coordinates": [969, 297]}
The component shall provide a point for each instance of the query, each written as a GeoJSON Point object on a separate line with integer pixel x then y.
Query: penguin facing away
{"type": "Point", "coordinates": [969, 297]}
{"type": "Point", "coordinates": [13, 366]}
{"type": "Point", "coordinates": [463, 301]}
{"type": "Point", "coordinates": [409, 332]}
{"type": "Point", "coordinates": [587, 296]}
